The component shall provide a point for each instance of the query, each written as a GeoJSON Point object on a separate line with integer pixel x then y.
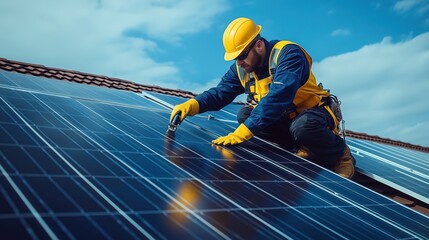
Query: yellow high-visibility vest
{"type": "Point", "coordinates": [307, 96]}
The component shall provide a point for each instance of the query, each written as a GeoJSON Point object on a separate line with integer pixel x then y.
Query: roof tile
{"type": "Point", "coordinates": [37, 73]}
{"type": "Point", "coordinates": [16, 65]}
{"type": "Point", "coordinates": [8, 68]}
{"type": "Point", "coordinates": [46, 74]}
{"type": "Point", "coordinates": [21, 70]}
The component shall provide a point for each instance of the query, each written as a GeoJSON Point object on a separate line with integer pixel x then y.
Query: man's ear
{"type": "Point", "coordinates": [259, 43]}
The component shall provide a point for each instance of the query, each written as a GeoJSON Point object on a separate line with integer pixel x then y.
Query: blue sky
{"type": "Point", "coordinates": [373, 54]}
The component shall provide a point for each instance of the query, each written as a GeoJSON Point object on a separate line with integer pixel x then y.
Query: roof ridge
{"type": "Point", "coordinates": [376, 138]}
{"type": "Point", "coordinates": [111, 82]}
{"type": "Point", "coordinates": [86, 78]}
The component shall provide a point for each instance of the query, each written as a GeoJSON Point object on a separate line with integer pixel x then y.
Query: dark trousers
{"type": "Point", "coordinates": [312, 129]}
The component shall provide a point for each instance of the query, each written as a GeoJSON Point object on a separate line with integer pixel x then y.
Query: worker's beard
{"type": "Point", "coordinates": [253, 65]}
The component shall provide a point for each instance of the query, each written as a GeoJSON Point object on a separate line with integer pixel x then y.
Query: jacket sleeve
{"type": "Point", "coordinates": [292, 72]}
{"type": "Point", "coordinates": [223, 94]}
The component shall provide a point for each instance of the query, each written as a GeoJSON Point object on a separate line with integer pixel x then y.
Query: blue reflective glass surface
{"type": "Point", "coordinates": [82, 168]}
{"type": "Point", "coordinates": [400, 168]}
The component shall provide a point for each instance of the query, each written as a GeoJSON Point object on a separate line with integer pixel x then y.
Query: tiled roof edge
{"type": "Point", "coordinates": [86, 78]}
{"type": "Point", "coordinates": [376, 138]}
{"type": "Point", "coordinates": [93, 79]}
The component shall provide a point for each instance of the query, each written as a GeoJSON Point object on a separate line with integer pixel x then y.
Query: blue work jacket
{"type": "Point", "coordinates": [292, 71]}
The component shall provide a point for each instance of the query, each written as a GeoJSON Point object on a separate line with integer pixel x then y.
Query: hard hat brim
{"type": "Point", "coordinates": [233, 55]}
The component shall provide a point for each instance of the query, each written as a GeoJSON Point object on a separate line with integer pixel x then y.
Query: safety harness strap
{"type": "Point", "coordinates": [257, 89]}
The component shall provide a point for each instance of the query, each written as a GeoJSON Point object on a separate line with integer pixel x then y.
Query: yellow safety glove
{"type": "Point", "coordinates": [241, 134]}
{"type": "Point", "coordinates": [188, 108]}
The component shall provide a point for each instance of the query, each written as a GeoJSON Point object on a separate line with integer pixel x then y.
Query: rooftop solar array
{"type": "Point", "coordinates": [79, 165]}
{"type": "Point", "coordinates": [403, 169]}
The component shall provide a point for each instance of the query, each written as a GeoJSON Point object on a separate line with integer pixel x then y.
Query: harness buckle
{"type": "Point", "coordinates": [334, 104]}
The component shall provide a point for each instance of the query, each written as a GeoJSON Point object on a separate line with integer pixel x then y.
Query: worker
{"type": "Point", "coordinates": [284, 104]}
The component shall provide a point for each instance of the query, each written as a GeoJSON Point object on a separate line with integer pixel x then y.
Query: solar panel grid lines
{"type": "Point", "coordinates": [402, 169]}
{"type": "Point", "coordinates": [414, 160]}
{"type": "Point", "coordinates": [414, 178]}
{"type": "Point", "coordinates": [398, 151]}
{"type": "Point", "coordinates": [203, 183]}
{"type": "Point", "coordinates": [170, 187]}
{"type": "Point", "coordinates": [183, 206]}
{"type": "Point", "coordinates": [244, 180]}
{"type": "Point", "coordinates": [383, 150]}
{"type": "Point", "coordinates": [41, 221]}
{"type": "Point", "coordinates": [399, 166]}
{"type": "Point", "coordinates": [208, 159]}
{"type": "Point", "coordinates": [89, 183]}
{"type": "Point", "coordinates": [338, 195]}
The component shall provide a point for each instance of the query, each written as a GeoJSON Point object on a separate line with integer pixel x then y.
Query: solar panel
{"type": "Point", "coordinates": [73, 167]}
{"type": "Point", "coordinates": [402, 169]}
{"type": "Point", "coordinates": [71, 89]}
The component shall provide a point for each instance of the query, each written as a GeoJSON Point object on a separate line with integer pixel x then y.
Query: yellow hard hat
{"type": "Point", "coordinates": [238, 35]}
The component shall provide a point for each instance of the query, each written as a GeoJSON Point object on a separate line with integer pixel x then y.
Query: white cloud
{"type": "Point", "coordinates": [340, 32]}
{"type": "Point", "coordinates": [383, 87]}
{"type": "Point", "coordinates": [423, 9]}
{"type": "Point", "coordinates": [199, 88]}
{"type": "Point", "coordinates": [94, 36]}
{"type": "Point", "coordinates": [403, 6]}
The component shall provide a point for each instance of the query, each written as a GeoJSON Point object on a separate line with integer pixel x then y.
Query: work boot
{"type": "Point", "coordinates": [345, 165]}
{"type": "Point", "coordinates": [305, 153]}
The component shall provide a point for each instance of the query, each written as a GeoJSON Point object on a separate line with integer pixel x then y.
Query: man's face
{"type": "Point", "coordinates": [250, 59]}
